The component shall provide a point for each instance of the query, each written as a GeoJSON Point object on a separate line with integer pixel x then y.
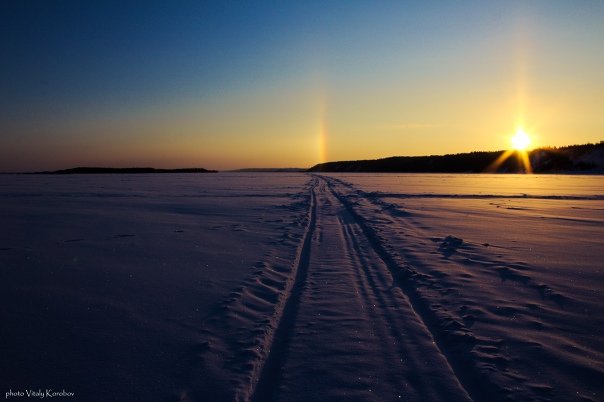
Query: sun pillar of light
{"type": "Point", "coordinates": [522, 60]}
{"type": "Point", "coordinates": [322, 131]}
{"type": "Point", "coordinates": [522, 48]}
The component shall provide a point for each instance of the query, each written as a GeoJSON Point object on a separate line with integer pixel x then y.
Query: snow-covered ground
{"type": "Point", "coordinates": [296, 287]}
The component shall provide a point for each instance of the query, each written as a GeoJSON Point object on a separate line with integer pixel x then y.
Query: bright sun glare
{"type": "Point", "coordinates": [521, 140]}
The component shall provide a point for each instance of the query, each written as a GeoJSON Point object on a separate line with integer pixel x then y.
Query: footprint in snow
{"type": "Point", "coordinates": [450, 245]}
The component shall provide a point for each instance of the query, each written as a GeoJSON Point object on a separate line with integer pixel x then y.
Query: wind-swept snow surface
{"type": "Point", "coordinates": [295, 287]}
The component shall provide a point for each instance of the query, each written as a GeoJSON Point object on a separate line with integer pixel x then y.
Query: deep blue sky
{"type": "Point", "coordinates": [237, 84]}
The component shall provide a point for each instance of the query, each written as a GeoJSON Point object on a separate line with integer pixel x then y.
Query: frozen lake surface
{"type": "Point", "coordinates": [297, 287]}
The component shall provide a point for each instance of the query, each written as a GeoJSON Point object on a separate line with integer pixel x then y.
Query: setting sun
{"type": "Point", "coordinates": [521, 140]}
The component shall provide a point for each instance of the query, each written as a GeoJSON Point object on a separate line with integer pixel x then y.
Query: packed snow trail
{"type": "Point", "coordinates": [347, 332]}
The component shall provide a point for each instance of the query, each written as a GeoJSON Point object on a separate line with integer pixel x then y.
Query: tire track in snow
{"type": "Point", "coordinates": [476, 385]}
{"type": "Point", "coordinates": [345, 331]}
{"type": "Point", "coordinates": [236, 339]}
{"type": "Point", "coordinates": [261, 385]}
{"type": "Point", "coordinates": [383, 304]}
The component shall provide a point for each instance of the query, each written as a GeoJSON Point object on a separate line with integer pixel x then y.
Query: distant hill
{"type": "Point", "coordinates": [105, 170]}
{"type": "Point", "coordinates": [588, 158]}
{"type": "Point", "coordinates": [269, 170]}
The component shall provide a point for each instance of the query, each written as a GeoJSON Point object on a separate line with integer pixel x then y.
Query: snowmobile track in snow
{"type": "Point", "coordinates": [344, 311]}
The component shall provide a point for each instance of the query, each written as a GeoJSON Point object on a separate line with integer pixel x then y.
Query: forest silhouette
{"type": "Point", "coordinates": [574, 158]}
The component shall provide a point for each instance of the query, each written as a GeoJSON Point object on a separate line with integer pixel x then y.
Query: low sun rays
{"type": "Point", "coordinates": [520, 142]}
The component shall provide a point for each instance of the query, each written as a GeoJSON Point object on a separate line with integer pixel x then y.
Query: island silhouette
{"type": "Point", "coordinates": [105, 170]}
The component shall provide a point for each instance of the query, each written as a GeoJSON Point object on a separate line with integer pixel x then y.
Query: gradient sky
{"type": "Point", "coordinates": [227, 85]}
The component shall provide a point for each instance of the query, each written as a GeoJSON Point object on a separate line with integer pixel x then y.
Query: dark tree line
{"type": "Point", "coordinates": [543, 160]}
